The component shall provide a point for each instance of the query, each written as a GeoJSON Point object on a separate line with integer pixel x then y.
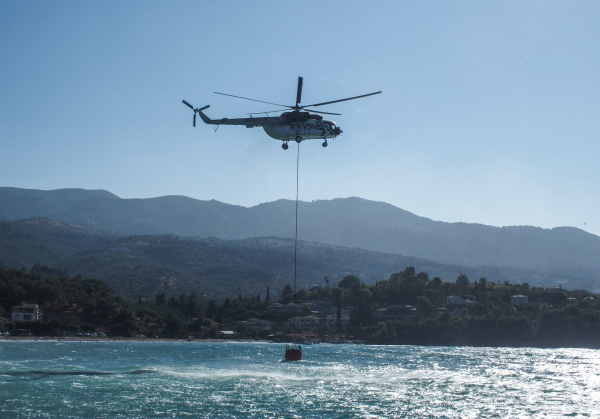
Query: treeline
{"type": "Point", "coordinates": [80, 305]}
{"type": "Point", "coordinates": [551, 319]}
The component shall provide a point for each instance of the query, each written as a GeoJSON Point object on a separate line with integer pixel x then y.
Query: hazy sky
{"type": "Point", "coordinates": [490, 111]}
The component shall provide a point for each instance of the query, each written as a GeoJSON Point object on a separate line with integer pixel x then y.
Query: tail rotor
{"type": "Point", "coordinates": [196, 110]}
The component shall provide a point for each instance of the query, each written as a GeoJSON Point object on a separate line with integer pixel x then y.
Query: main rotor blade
{"type": "Point", "coordinates": [328, 113]}
{"type": "Point", "coordinates": [188, 104]}
{"type": "Point", "coordinates": [285, 110]}
{"type": "Point", "coordinates": [254, 100]}
{"type": "Point", "coordinates": [299, 94]}
{"type": "Point", "coordinates": [343, 100]}
{"type": "Point", "coordinates": [256, 113]}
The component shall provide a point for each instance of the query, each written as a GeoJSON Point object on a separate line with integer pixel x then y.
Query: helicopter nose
{"type": "Point", "coordinates": [337, 131]}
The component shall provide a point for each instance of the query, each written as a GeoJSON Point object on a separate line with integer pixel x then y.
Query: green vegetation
{"type": "Point", "coordinates": [170, 286]}
{"type": "Point", "coordinates": [150, 265]}
{"type": "Point", "coordinates": [21, 248]}
{"type": "Point", "coordinates": [565, 254]}
{"type": "Point", "coordinates": [550, 319]}
{"type": "Point", "coordinates": [82, 305]}
{"type": "Point", "coordinates": [216, 268]}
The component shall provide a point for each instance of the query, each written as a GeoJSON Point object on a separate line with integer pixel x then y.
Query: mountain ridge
{"type": "Point", "coordinates": [151, 264]}
{"type": "Point", "coordinates": [349, 222]}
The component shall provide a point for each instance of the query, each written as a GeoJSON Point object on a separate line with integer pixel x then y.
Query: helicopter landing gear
{"type": "Point", "coordinates": [284, 146]}
{"type": "Point", "coordinates": [324, 143]}
{"type": "Point", "coordinates": [298, 139]}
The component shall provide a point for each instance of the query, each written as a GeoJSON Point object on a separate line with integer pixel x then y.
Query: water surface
{"type": "Point", "coordinates": [222, 380]}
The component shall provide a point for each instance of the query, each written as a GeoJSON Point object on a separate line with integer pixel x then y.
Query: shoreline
{"type": "Point", "coordinates": [26, 339]}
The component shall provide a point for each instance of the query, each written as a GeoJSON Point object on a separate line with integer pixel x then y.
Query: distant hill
{"type": "Point", "coordinates": [20, 248]}
{"type": "Point", "coordinates": [349, 222]}
{"type": "Point", "coordinates": [147, 265]}
{"type": "Point", "coordinates": [16, 204]}
{"type": "Point", "coordinates": [24, 243]}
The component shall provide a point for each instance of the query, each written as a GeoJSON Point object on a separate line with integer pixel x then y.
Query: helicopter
{"type": "Point", "coordinates": [299, 124]}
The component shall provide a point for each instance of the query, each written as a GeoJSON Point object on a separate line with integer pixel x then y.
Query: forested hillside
{"type": "Point", "coordinates": [484, 315]}
{"type": "Point", "coordinates": [147, 265]}
{"type": "Point", "coordinates": [349, 222]}
{"type": "Point", "coordinates": [81, 305]}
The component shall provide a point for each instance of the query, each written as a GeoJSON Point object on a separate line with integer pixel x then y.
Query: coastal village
{"type": "Point", "coordinates": [351, 312]}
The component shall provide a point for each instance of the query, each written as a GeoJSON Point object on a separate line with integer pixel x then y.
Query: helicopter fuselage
{"type": "Point", "coordinates": [287, 127]}
{"type": "Point", "coordinates": [308, 130]}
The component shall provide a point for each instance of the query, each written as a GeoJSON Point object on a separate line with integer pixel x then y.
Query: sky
{"type": "Point", "coordinates": [490, 111]}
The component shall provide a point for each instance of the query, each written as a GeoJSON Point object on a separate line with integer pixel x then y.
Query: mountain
{"type": "Point", "coordinates": [20, 248]}
{"type": "Point", "coordinates": [16, 203]}
{"type": "Point", "coordinates": [348, 222]}
{"type": "Point", "coordinates": [148, 265]}
{"type": "Point", "coordinates": [37, 240]}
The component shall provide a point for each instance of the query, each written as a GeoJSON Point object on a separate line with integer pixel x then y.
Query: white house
{"type": "Point", "coordinates": [579, 294]}
{"type": "Point", "coordinates": [26, 313]}
{"type": "Point", "coordinates": [307, 323]}
{"type": "Point", "coordinates": [258, 324]}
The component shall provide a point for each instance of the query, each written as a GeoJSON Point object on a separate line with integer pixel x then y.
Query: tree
{"type": "Point", "coordinates": [559, 299]}
{"type": "Point", "coordinates": [211, 310]}
{"type": "Point", "coordinates": [336, 295]}
{"type": "Point", "coordinates": [220, 315]}
{"type": "Point", "coordinates": [349, 281]}
{"type": "Point", "coordinates": [174, 324]}
{"type": "Point", "coordinates": [462, 284]}
{"type": "Point", "coordinates": [482, 282]}
{"type": "Point", "coordinates": [423, 277]}
{"type": "Point", "coordinates": [161, 299]}
{"type": "Point", "coordinates": [125, 322]}
{"type": "Point", "coordinates": [54, 326]}
{"type": "Point", "coordinates": [301, 295]}
{"type": "Point", "coordinates": [287, 294]}
{"type": "Point", "coordinates": [424, 306]}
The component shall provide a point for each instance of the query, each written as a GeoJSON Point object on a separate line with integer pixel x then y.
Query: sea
{"type": "Point", "coordinates": [197, 379]}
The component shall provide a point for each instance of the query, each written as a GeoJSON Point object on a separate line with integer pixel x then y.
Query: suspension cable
{"type": "Point", "coordinates": [296, 239]}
